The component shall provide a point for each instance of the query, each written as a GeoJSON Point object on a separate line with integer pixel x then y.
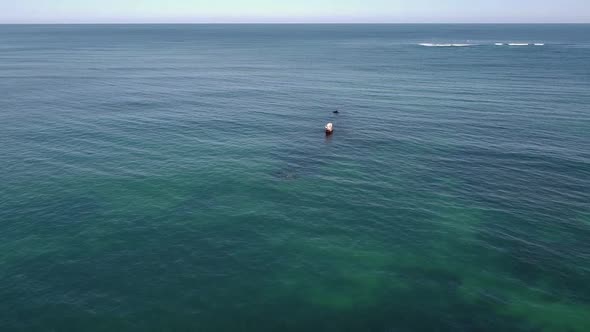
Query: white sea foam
{"type": "Point", "coordinates": [435, 45]}
{"type": "Point", "coordinates": [466, 45]}
{"type": "Point", "coordinates": [445, 45]}
{"type": "Point", "coordinates": [526, 44]}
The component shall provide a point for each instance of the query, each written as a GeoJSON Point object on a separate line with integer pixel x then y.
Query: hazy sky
{"type": "Point", "coordinates": [402, 11]}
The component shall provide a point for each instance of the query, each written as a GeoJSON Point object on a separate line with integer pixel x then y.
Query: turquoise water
{"type": "Point", "coordinates": [177, 178]}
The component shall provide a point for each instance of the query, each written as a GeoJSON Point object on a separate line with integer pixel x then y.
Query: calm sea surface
{"type": "Point", "coordinates": [177, 178]}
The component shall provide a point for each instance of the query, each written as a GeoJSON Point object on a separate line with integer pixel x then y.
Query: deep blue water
{"type": "Point", "coordinates": [177, 178]}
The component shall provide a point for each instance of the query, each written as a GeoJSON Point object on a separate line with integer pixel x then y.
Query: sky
{"type": "Point", "coordinates": [294, 11]}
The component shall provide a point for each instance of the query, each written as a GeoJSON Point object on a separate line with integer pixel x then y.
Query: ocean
{"type": "Point", "coordinates": [178, 178]}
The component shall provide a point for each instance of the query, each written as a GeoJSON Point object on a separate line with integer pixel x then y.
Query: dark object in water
{"type": "Point", "coordinates": [336, 112]}
{"type": "Point", "coordinates": [286, 175]}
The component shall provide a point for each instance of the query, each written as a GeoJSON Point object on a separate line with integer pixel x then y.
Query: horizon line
{"type": "Point", "coordinates": [287, 22]}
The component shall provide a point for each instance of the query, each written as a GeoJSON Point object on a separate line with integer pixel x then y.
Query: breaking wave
{"type": "Point", "coordinates": [466, 45]}
{"type": "Point", "coordinates": [445, 45]}
{"type": "Point", "coordinates": [522, 44]}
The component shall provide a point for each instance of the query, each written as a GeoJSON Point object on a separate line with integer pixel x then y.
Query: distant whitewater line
{"type": "Point", "coordinates": [445, 45]}
{"type": "Point", "coordinates": [524, 44]}
{"type": "Point", "coordinates": [466, 45]}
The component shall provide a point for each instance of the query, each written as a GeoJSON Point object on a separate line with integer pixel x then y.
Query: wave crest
{"type": "Point", "coordinates": [444, 45]}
